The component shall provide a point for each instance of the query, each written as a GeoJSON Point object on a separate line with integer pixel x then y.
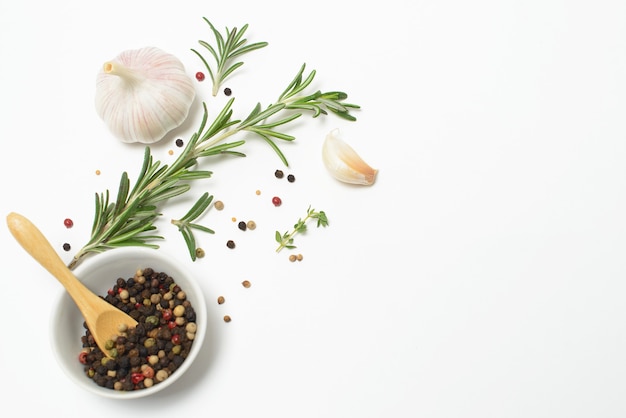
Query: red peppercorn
{"type": "Point", "coordinates": [68, 223]}
{"type": "Point", "coordinates": [276, 201]}
{"type": "Point", "coordinates": [176, 339]}
{"type": "Point", "coordinates": [111, 292]}
{"type": "Point", "coordinates": [82, 357]}
{"type": "Point", "coordinates": [166, 314]}
{"type": "Point", "coordinates": [137, 377]}
{"type": "Point", "coordinates": [171, 325]}
{"type": "Point", "coordinates": [200, 76]}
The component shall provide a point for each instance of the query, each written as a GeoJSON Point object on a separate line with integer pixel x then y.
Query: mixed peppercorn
{"type": "Point", "coordinates": [148, 354]}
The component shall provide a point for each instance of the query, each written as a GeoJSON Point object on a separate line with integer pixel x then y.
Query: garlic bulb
{"type": "Point", "coordinates": [344, 163]}
{"type": "Point", "coordinates": [142, 94]}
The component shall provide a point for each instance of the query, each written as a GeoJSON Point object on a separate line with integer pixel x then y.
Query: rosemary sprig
{"type": "Point", "coordinates": [317, 102]}
{"type": "Point", "coordinates": [186, 224]}
{"type": "Point", "coordinates": [285, 240]}
{"type": "Point", "coordinates": [129, 220]}
{"type": "Point", "coordinates": [227, 49]}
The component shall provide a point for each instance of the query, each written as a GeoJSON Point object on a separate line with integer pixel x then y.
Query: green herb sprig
{"type": "Point", "coordinates": [317, 102]}
{"type": "Point", "coordinates": [229, 47]}
{"type": "Point", "coordinates": [186, 224]}
{"type": "Point", "coordinates": [285, 240]}
{"type": "Point", "coordinates": [129, 220]}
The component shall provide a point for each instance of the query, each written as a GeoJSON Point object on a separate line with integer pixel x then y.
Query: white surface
{"type": "Point", "coordinates": [483, 274]}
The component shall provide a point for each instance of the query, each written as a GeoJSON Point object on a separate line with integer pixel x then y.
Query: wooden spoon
{"type": "Point", "coordinates": [102, 318]}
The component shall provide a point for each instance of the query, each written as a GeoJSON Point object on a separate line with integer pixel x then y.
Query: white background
{"type": "Point", "coordinates": [481, 276]}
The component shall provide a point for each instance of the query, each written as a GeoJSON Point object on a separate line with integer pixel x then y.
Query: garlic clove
{"type": "Point", "coordinates": [143, 94]}
{"type": "Point", "coordinates": [343, 163]}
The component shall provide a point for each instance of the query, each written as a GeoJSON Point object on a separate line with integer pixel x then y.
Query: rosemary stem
{"type": "Point", "coordinates": [216, 140]}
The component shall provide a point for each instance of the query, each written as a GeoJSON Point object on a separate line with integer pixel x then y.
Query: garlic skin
{"type": "Point", "coordinates": [142, 94]}
{"type": "Point", "coordinates": [343, 163]}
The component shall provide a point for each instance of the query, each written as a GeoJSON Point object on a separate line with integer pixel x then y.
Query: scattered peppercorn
{"type": "Point", "coordinates": [199, 252]}
{"type": "Point", "coordinates": [242, 225]}
{"type": "Point", "coordinates": [276, 201]}
{"type": "Point", "coordinates": [279, 174]}
{"type": "Point", "coordinates": [230, 243]}
{"type": "Point", "coordinates": [292, 258]}
{"type": "Point", "coordinates": [246, 284]}
{"type": "Point", "coordinates": [179, 142]}
{"type": "Point", "coordinates": [219, 205]}
{"type": "Point", "coordinates": [97, 172]}
{"type": "Point", "coordinates": [251, 225]}
{"type": "Point", "coordinates": [170, 152]}
{"type": "Point", "coordinates": [67, 247]}
{"type": "Point", "coordinates": [220, 299]}
{"type": "Point", "coordinates": [291, 178]}
{"type": "Point", "coordinates": [258, 192]}
{"type": "Point", "coordinates": [200, 76]}
{"type": "Point", "coordinates": [299, 257]}
{"type": "Point", "coordinates": [233, 219]}
{"type": "Point", "coordinates": [227, 91]}
{"type": "Point", "coordinates": [227, 318]}
{"type": "Point", "coordinates": [68, 223]}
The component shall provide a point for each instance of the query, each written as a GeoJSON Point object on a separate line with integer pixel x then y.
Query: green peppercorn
{"type": "Point", "coordinates": [109, 344]}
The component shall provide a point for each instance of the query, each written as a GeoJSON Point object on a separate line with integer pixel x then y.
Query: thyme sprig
{"type": "Point", "coordinates": [229, 46]}
{"type": "Point", "coordinates": [186, 224]}
{"type": "Point", "coordinates": [129, 220]}
{"type": "Point", "coordinates": [285, 240]}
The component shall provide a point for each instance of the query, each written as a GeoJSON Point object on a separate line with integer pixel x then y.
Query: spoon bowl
{"type": "Point", "coordinates": [102, 318]}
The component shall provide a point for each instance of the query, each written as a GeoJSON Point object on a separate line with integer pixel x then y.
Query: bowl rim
{"type": "Point", "coordinates": [64, 305]}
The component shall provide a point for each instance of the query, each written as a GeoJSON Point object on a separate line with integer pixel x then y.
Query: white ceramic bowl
{"type": "Point", "coordinates": [99, 273]}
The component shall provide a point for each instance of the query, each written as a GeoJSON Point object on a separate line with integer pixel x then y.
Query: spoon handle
{"type": "Point", "coordinates": [34, 242]}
